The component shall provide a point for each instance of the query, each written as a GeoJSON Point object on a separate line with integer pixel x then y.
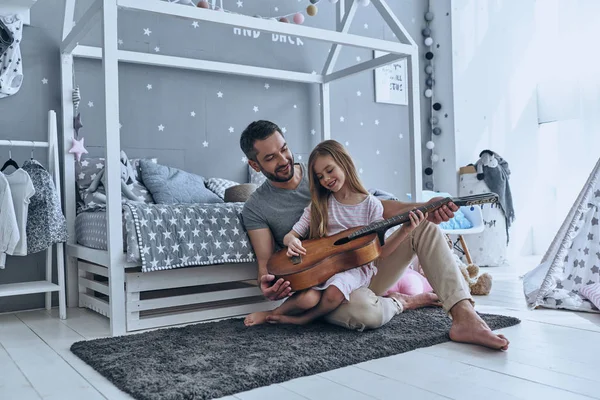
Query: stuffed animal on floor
{"type": "Point", "coordinates": [480, 285]}
{"type": "Point", "coordinates": [413, 282]}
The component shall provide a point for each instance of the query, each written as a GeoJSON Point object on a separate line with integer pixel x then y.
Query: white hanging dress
{"type": "Point", "coordinates": [9, 230]}
{"type": "Point", "coordinates": [22, 189]}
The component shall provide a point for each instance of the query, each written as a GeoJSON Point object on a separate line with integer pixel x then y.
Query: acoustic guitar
{"type": "Point", "coordinates": [349, 249]}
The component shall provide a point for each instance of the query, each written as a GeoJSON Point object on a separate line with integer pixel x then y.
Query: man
{"type": "Point", "coordinates": [276, 205]}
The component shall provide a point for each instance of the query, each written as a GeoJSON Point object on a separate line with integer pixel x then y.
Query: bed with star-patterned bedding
{"type": "Point", "coordinates": [181, 235]}
{"type": "Point", "coordinates": [160, 237]}
{"type": "Point", "coordinates": [184, 259]}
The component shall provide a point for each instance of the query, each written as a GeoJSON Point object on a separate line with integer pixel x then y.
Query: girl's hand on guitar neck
{"type": "Point", "coordinates": [415, 219]}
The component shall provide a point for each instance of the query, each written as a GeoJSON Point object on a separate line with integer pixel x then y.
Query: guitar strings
{"type": "Point", "coordinates": [402, 218]}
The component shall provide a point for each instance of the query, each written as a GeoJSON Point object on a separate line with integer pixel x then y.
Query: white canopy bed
{"type": "Point", "coordinates": [104, 280]}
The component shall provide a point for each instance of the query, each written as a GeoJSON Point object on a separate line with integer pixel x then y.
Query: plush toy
{"type": "Point", "coordinates": [480, 285]}
{"type": "Point", "coordinates": [486, 158]}
{"type": "Point", "coordinates": [127, 174]}
{"type": "Point", "coordinates": [413, 282]}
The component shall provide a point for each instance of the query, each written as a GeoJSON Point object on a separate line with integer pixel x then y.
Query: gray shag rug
{"type": "Point", "coordinates": [216, 359]}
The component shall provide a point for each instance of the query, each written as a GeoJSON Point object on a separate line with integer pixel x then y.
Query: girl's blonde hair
{"type": "Point", "coordinates": [320, 194]}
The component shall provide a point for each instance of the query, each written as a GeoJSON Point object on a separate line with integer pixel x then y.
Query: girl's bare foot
{"type": "Point", "coordinates": [417, 300]}
{"type": "Point", "coordinates": [257, 318]}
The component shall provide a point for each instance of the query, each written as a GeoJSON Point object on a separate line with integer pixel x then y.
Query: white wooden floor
{"type": "Point", "coordinates": [553, 355]}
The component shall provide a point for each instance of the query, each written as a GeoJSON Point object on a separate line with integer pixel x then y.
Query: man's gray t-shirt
{"type": "Point", "coordinates": [275, 208]}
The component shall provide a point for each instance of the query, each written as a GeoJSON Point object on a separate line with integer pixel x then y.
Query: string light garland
{"type": "Point", "coordinates": [297, 17]}
{"type": "Point", "coordinates": [429, 93]}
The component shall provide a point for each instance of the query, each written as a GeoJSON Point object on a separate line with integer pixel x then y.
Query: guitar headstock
{"type": "Point", "coordinates": [475, 199]}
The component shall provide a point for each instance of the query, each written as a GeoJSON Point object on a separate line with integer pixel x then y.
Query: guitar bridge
{"type": "Point", "coordinates": [296, 260]}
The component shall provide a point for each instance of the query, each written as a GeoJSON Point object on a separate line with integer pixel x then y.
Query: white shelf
{"type": "Point", "coordinates": [16, 289]}
{"type": "Point", "coordinates": [20, 7]}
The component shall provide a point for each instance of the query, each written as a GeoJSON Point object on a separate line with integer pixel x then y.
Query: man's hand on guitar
{"type": "Point", "coordinates": [442, 214]}
{"type": "Point", "coordinates": [277, 291]}
{"type": "Point", "coordinates": [295, 248]}
{"type": "Point", "coordinates": [415, 219]}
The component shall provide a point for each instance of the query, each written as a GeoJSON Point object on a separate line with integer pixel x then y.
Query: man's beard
{"type": "Point", "coordinates": [277, 178]}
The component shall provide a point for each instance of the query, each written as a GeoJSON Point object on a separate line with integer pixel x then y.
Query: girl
{"type": "Point", "coordinates": [338, 202]}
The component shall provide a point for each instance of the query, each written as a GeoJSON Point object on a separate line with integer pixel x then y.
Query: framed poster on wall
{"type": "Point", "coordinates": [391, 82]}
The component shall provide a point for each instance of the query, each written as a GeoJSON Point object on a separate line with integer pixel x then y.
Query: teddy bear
{"type": "Point", "coordinates": [479, 284]}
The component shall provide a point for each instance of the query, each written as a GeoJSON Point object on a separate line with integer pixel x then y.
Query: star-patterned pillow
{"type": "Point", "coordinates": [87, 169]}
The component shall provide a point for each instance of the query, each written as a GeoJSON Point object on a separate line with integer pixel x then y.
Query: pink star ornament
{"type": "Point", "coordinates": [78, 149]}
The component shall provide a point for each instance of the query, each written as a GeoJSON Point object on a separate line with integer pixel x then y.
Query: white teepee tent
{"type": "Point", "coordinates": [573, 259]}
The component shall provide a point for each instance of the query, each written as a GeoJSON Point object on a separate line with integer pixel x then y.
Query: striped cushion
{"type": "Point", "coordinates": [219, 185]}
{"type": "Point", "coordinates": [592, 293]}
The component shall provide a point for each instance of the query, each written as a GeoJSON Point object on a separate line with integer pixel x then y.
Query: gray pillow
{"type": "Point", "coordinates": [170, 185]}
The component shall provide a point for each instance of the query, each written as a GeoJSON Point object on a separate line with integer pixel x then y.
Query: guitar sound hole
{"type": "Point", "coordinates": [341, 241]}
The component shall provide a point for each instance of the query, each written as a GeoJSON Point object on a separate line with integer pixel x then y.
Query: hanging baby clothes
{"type": "Point", "coordinates": [11, 66]}
{"type": "Point", "coordinates": [6, 38]}
{"type": "Point", "coordinates": [9, 230]}
{"type": "Point", "coordinates": [21, 189]}
{"type": "Point", "coordinates": [46, 223]}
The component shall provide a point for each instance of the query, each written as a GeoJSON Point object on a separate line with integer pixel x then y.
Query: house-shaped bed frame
{"type": "Point", "coordinates": [103, 280]}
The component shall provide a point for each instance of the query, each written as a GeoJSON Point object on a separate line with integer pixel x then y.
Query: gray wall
{"type": "Point", "coordinates": [377, 149]}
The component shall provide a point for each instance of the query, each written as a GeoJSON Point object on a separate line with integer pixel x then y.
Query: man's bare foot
{"type": "Point", "coordinates": [417, 300]}
{"type": "Point", "coordinates": [257, 318]}
{"type": "Point", "coordinates": [468, 327]}
{"type": "Point", "coordinates": [287, 319]}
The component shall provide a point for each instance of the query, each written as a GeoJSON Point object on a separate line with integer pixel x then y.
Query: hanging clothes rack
{"type": "Point", "coordinates": [46, 286]}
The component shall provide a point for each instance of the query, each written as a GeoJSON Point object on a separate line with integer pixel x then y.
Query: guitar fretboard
{"type": "Point", "coordinates": [397, 220]}
{"type": "Point", "coordinates": [384, 225]}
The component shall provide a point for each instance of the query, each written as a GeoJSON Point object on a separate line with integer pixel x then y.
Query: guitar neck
{"type": "Point", "coordinates": [382, 226]}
